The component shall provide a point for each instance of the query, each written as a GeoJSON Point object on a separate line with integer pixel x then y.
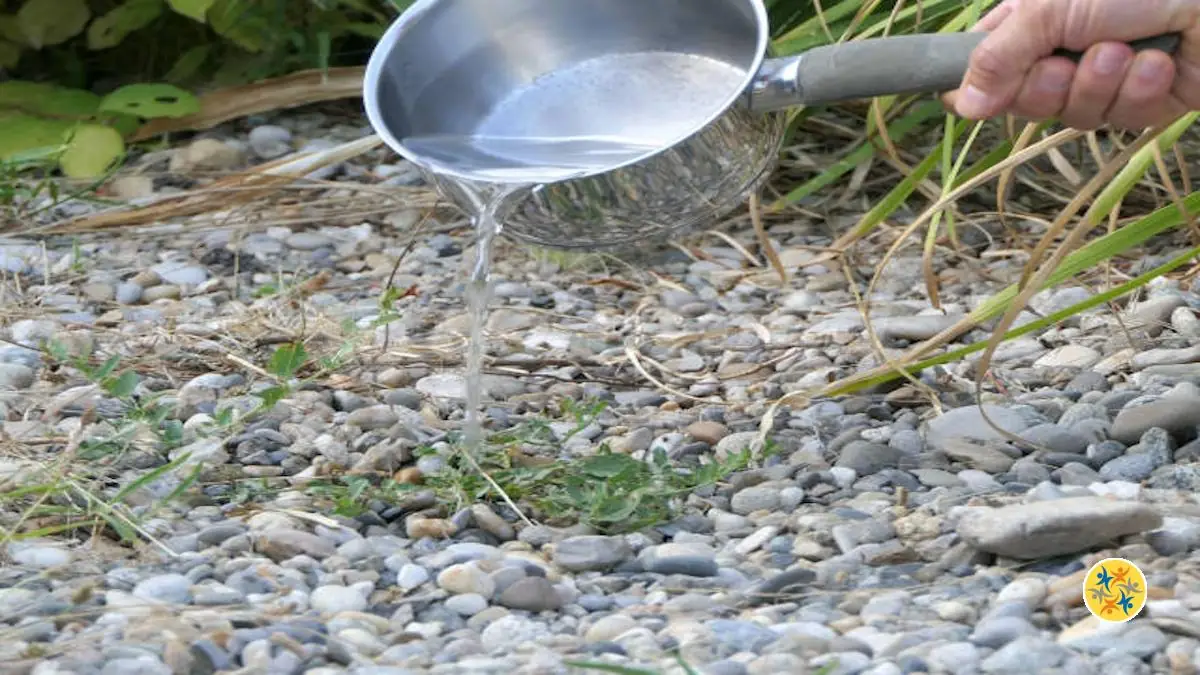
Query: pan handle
{"type": "Point", "coordinates": [906, 64]}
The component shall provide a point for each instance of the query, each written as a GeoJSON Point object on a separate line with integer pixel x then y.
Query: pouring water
{"type": "Point", "coordinates": [507, 166]}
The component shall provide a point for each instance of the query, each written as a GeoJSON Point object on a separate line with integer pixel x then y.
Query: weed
{"type": "Point", "coordinates": [609, 491]}
{"type": "Point", "coordinates": [77, 495]}
{"type": "Point", "coordinates": [139, 412]}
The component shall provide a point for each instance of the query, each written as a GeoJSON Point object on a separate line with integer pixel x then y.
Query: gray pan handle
{"type": "Point", "coordinates": [907, 64]}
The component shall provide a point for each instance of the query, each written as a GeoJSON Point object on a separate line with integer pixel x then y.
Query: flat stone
{"type": "Point", "coordinates": [968, 423]}
{"type": "Point", "coordinates": [690, 559]}
{"type": "Point", "coordinates": [281, 544]}
{"type": "Point", "coordinates": [591, 552]}
{"type": "Point", "coordinates": [976, 456]}
{"type": "Point", "coordinates": [1052, 528]}
{"type": "Point", "coordinates": [1174, 414]}
{"type": "Point", "coordinates": [532, 594]}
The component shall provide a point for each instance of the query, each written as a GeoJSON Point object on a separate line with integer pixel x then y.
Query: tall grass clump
{"type": "Point", "coordinates": [1106, 193]}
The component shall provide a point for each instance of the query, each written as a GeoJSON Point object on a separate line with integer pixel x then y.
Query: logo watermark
{"type": "Point", "coordinates": [1114, 590]}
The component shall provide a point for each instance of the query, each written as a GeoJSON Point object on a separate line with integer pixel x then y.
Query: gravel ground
{"type": "Point", "coordinates": [874, 534]}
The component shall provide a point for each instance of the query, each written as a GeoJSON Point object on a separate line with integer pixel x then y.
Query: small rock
{"type": "Point", "coordinates": [976, 456]}
{"type": "Point", "coordinates": [1069, 356]}
{"type": "Point", "coordinates": [707, 431]}
{"type": "Point", "coordinates": [609, 628]}
{"type": "Point", "coordinates": [690, 559]}
{"type": "Point", "coordinates": [532, 594]}
{"type": "Point", "coordinates": [282, 544]}
{"type": "Point", "coordinates": [866, 458]}
{"type": "Point", "coordinates": [269, 141]}
{"type": "Point", "coordinates": [15, 376]}
{"type": "Point", "coordinates": [373, 417]}
{"type": "Point", "coordinates": [205, 154]}
{"type": "Point", "coordinates": [591, 552]}
{"type": "Point", "coordinates": [490, 522]}
{"type": "Point", "coordinates": [968, 422]}
{"type": "Point", "coordinates": [166, 588]}
{"type": "Point", "coordinates": [1174, 414]}
{"type": "Point", "coordinates": [334, 599]}
{"type": "Point", "coordinates": [466, 578]}
{"type": "Point", "coordinates": [753, 499]}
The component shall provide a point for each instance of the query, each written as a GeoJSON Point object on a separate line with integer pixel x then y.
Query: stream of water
{"type": "Point", "coordinates": [504, 168]}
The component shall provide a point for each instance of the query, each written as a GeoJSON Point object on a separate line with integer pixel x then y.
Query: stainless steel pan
{"type": "Point", "coordinates": [691, 75]}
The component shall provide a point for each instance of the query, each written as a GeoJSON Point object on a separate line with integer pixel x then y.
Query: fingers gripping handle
{"type": "Point", "coordinates": [908, 64]}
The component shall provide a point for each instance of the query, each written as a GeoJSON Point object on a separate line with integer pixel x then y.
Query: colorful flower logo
{"type": "Point", "coordinates": [1114, 590]}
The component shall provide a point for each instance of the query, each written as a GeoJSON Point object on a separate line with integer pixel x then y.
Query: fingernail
{"type": "Point", "coordinates": [1151, 70]}
{"type": "Point", "coordinates": [973, 103]}
{"type": "Point", "coordinates": [1110, 59]}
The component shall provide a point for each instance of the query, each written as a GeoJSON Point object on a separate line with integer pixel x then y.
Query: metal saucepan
{"type": "Point", "coordinates": [690, 75]}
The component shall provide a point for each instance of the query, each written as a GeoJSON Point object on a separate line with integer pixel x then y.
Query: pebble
{"type": "Point", "coordinates": [339, 530]}
{"type": "Point", "coordinates": [335, 599]}
{"type": "Point", "coordinates": [532, 594]}
{"type": "Point", "coordinates": [591, 552]}
{"type": "Point", "coordinates": [269, 141]}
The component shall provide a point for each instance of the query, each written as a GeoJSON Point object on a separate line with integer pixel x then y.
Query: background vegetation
{"type": "Point", "coordinates": [81, 75]}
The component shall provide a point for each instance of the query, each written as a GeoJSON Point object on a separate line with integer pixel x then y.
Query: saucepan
{"type": "Point", "coordinates": [690, 84]}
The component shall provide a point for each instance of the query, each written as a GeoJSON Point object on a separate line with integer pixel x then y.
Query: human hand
{"type": "Point", "coordinates": [1014, 70]}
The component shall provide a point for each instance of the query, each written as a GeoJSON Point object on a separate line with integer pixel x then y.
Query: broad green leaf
{"type": "Point", "coordinates": [287, 360]}
{"type": "Point", "coordinates": [109, 30]}
{"type": "Point", "coordinates": [124, 124]}
{"type": "Point", "coordinates": [271, 396]}
{"type": "Point", "coordinates": [92, 150]}
{"type": "Point", "coordinates": [10, 54]}
{"type": "Point", "coordinates": [607, 466]}
{"type": "Point", "coordinates": [124, 385]}
{"type": "Point", "coordinates": [151, 100]}
{"type": "Point", "coordinates": [21, 133]}
{"type": "Point", "coordinates": [617, 508]}
{"type": "Point", "coordinates": [48, 99]}
{"type": "Point", "coordinates": [45, 23]}
{"type": "Point", "coordinates": [193, 9]}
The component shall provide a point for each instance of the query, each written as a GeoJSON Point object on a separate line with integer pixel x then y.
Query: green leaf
{"type": "Point", "coordinates": [92, 150]}
{"type": "Point", "coordinates": [109, 30]}
{"type": "Point", "coordinates": [287, 360]}
{"type": "Point", "coordinates": [193, 9]}
{"type": "Point", "coordinates": [44, 23]}
{"type": "Point", "coordinates": [607, 466]}
{"type": "Point", "coordinates": [50, 100]}
{"type": "Point", "coordinates": [21, 133]}
{"type": "Point", "coordinates": [616, 508]}
{"type": "Point", "coordinates": [107, 368]}
{"type": "Point", "coordinates": [124, 124]}
{"type": "Point", "coordinates": [124, 385]}
{"type": "Point", "coordinates": [151, 100]}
